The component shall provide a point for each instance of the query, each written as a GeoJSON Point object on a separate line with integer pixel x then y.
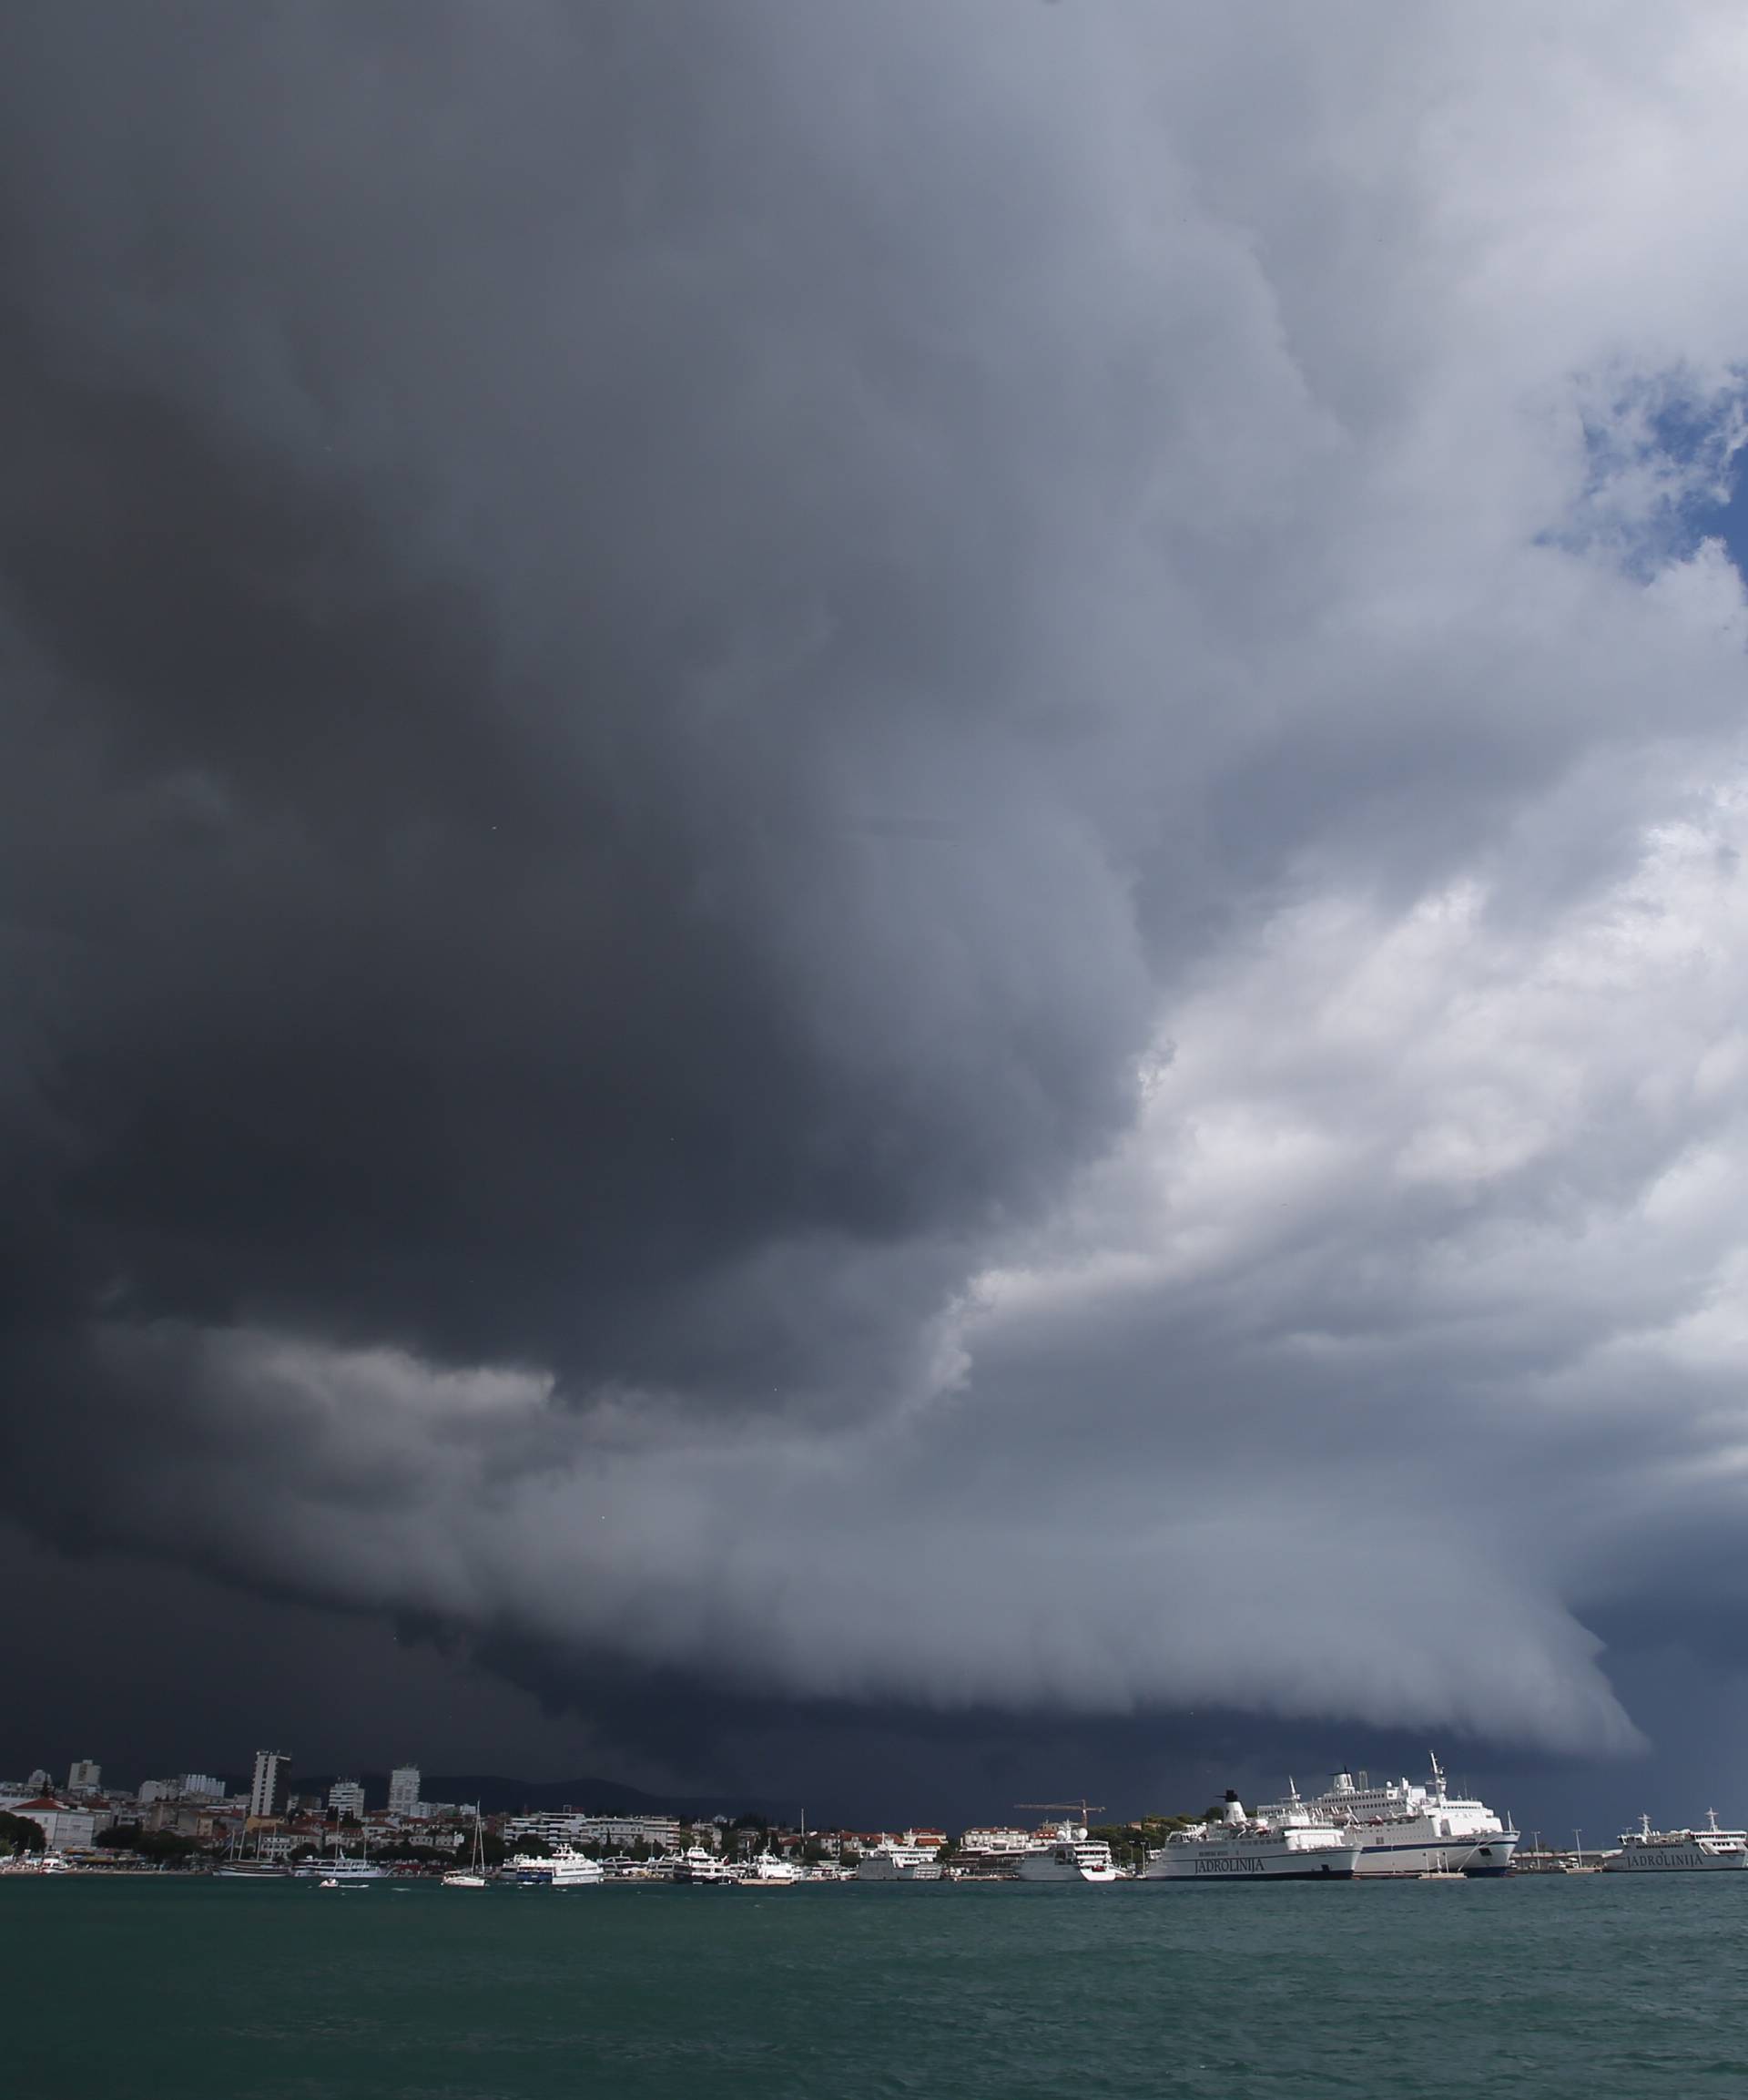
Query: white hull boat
{"type": "Point", "coordinates": [1291, 1844]}
{"type": "Point", "coordinates": [1707, 1851]}
{"type": "Point", "coordinates": [1409, 1830]}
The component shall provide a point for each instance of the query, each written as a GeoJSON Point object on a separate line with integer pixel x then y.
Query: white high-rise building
{"type": "Point", "coordinates": [84, 1778]}
{"type": "Point", "coordinates": [200, 1787]}
{"type": "Point", "coordinates": [267, 1795]}
{"type": "Point", "coordinates": [346, 1798]}
{"type": "Point", "coordinates": [405, 1782]}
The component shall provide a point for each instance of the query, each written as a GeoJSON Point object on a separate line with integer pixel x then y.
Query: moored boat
{"type": "Point", "coordinates": [1708, 1852]}
{"type": "Point", "coordinates": [472, 1876]}
{"type": "Point", "coordinates": [1288, 1843]}
{"type": "Point", "coordinates": [575, 1870]}
{"type": "Point", "coordinates": [701, 1869]}
{"type": "Point", "coordinates": [1065, 1853]}
{"type": "Point", "coordinates": [899, 1863]}
{"type": "Point", "coordinates": [768, 1871]}
{"type": "Point", "coordinates": [1410, 1829]}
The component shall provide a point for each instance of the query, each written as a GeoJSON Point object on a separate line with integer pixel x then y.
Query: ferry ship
{"type": "Point", "coordinates": [1288, 1843]}
{"type": "Point", "coordinates": [899, 1863]}
{"type": "Point", "coordinates": [767, 1871]}
{"type": "Point", "coordinates": [1067, 1854]}
{"type": "Point", "coordinates": [575, 1870]}
{"type": "Point", "coordinates": [1410, 1829]}
{"type": "Point", "coordinates": [341, 1867]}
{"type": "Point", "coordinates": [1707, 1851]}
{"type": "Point", "coordinates": [701, 1869]}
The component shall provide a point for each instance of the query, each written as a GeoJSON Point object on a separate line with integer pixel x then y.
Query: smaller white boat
{"type": "Point", "coordinates": [768, 1871]}
{"type": "Point", "coordinates": [575, 1870]}
{"type": "Point", "coordinates": [701, 1869]}
{"type": "Point", "coordinates": [346, 1868]}
{"type": "Point", "coordinates": [472, 1876]}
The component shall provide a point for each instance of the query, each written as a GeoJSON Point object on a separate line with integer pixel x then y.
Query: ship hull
{"type": "Point", "coordinates": [1210, 1863]}
{"type": "Point", "coordinates": [1675, 1859]}
{"type": "Point", "coordinates": [1480, 1856]}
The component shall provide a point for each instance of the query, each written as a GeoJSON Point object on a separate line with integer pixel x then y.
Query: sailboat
{"type": "Point", "coordinates": [474, 1875]}
{"type": "Point", "coordinates": [238, 1866]}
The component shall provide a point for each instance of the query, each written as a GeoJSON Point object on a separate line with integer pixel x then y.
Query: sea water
{"type": "Point", "coordinates": [192, 1989]}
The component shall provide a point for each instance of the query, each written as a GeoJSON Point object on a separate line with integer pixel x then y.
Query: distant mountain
{"type": "Point", "coordinates": [497, 1794]}
{"type": "Point", "coordinates": [594, 1796]}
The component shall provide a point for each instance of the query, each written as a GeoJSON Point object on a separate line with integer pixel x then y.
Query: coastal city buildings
{"type": "Point", "coordinates": [208, 1823]}
{"type": "Point", "coordinates": [997, 1839]}
{"type": "Point", "coordinates": [616, 1833]}
{"type": "Point", "coordinates": [267, 1793]}
{"type": "Point", "coordinates": [187, 1787]}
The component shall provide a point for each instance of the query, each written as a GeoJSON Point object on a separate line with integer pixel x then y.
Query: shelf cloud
{"type": "Point", "coordinates": [900, 847]}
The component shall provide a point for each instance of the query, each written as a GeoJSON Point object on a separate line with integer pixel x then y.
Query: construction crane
{"type": "Point", "coordinates": [1062, 1809]}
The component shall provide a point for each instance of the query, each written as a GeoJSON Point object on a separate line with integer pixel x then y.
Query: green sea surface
{"type": "Point", "coordinates": [206, 1990]}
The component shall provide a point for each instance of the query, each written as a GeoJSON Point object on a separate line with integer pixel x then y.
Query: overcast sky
{"type": "Point", "coordinates": [870, 879]}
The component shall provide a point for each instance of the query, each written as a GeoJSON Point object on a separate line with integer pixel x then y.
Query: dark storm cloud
{"type": "Point", "coordinates": [839, 845]}
{"type": "Point", "coordinates": [503, 587]}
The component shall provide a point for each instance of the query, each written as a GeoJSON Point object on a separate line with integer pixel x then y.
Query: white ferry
{"type": "Point", "coordinates": [1410, 1829]}
{"type": "Point", "coordinates": [701, 1869]}
{"type": "Point", "coordinates": [1067, 1854]}
{"type": "Point", "coordinates": [342, 1868]}
{"type": "Point", "coordinates": [1288, 1843]}
{"type": "Point", "coordinates": [768, 1871]}
{"type": "Point", "coordinates": [1707, 1851]}
{"type": "Point", "coordinates": [899, 1863]}
{"type": "Point", "coordinates": [575, 1870]}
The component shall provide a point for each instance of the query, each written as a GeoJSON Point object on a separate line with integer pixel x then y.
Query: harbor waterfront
{"type": "Point", "coordinates": [212, 1991]}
